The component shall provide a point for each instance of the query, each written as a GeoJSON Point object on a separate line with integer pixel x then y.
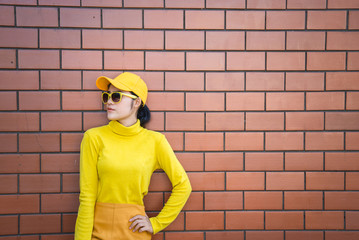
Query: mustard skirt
{"type": "Point", "coordinates": [111, 222]}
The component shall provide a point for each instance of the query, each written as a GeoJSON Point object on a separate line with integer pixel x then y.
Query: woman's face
{"type": "Point", "coordinates": [124, 110]}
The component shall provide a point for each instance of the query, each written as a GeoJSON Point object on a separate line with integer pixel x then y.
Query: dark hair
{"type": "Point", "coordinates": [143, 114]}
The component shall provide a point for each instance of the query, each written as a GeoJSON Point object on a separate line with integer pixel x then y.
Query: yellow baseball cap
{"type": "Point", "coordinates": [127, 82]}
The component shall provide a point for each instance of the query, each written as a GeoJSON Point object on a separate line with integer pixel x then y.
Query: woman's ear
{"type": "Point", "coordinates": [138, 102]}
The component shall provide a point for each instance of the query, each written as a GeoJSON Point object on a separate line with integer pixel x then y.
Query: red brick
{"type": "Point", "coordinates": [101, 3]}
{"type": "Point", "coordinates": [225, 81]}
{"type": "Point", "coordinates": [143, 4]}
{"type": "Point", "coordinates": [269, 235]}
{"type": "Point", "coordinates": [225, 235]}
{"type": "Point", "coordinates": [305, 40]}
{"type": "Point", "coordinates": [19, 80]}
{"type": "Point", "coordinates": [96, 119]}
{"type": "Point", "coordinates": [80, 17]}
{"type": "Point", "coordinates": [72, 59]}
{"type": "Point", "coordinates": [177, 224]}
{"type": "Point", "coordinates": [351, 180]}
{"type": "Point", "coordinates": [224, 161]}
{"type": "Point", "coordinates": [325, 181]}
{"type": "Point", "coordinates": [154, 80]}
{"type": "Point", "coordinates": [201, 181]}
{"type": "Point", "coordinates": [9, 225]}
{"type": "Point", "coordinates": [153, 201]}
{"type": "Point", "coordinates": [236, 4]}
{"type": "Point", "coordinates": [245, 101]}
{"type": "Point", "coordinates": [68, 222]}
{"type": "Point", "coordinates": [353, 21]}
{"type": "Point", "coordinates": [137, 39]}
{"type": "Point", "coordinates": [326, 20]}
{"type": "Point", "coordinates": [306, 4]}
{"type": "Point", "coordinates": [191, 161]}
{"type": "Point", "coordinates": [284, 220]}
{"type": "Point", "coordinates": [267, 81]}
{"type": "Point", "coordinates": [308, 200]}
{"type": "Point", "coordinates": [285, 20]}
{"type": "Point", "coordinates": [342, 81]}
{"type": "Point", "coordinates": [304, 81]}
{"type": "Point", "coordinates": [8, 183]}
{"type": "Point", "coordinates": [127, 60]}
{"type": "Point", "coordinates": [7, 59]}
{"type": "Point", "coordinates": [53, 163]}
{"type": "Point", "coordinates": [64, 80]}
{"type": "Point", "coordinates": [342, 41]}
{"type": "Point", "coordinates": [8, 143]}
{"type": "Point", "coordinates": [264, 121]}
{"type": "Point", "coordinates": [352, 220]}
{"type": "Point", "coordinates": [205, 61]}
{"type": "Point", "coordinates": [61, 121]}
{"type": "Point", "coordinates": [204, 141]}
{"type": "Point", "coordinates": [325, 101]}
{"type": "Point", "coordinates": [163, 19]}
{"type": "Point", "coordinates": [184, 121]}
{"type": "Point", "coordinates": [324, 220]}
{"type": "Point", "coordinates": [343, 4]}
{"type": "Point", "coordinates": [81, 101]}
{"type": "Point", "coordinates": [8, 101]}
{"type": "Point", "coordinates": [194, 202]}
{"type": "Point", "coordinates": [245, 61]}
{"type": "Point", "coordinates": [39, 59]}
{"type": "Point", "coordinates": [219, 40]}
{"type": "Point", "coordinates": [304, 121]}
{"type": "Point", "coordinates": [242, 141]}
{"type": "Point", "coordinates": [352, 141]}
{"type": "Point", "coordinates": [7, 16]}
{"type": "Point", "coordinates": [204, 101]}
{"type": "Point", "coordinates": [183, 235]}
{"type": "Point", "coordinates": [184, 40]}
{"type": "Point", "coordinates": [285, 181]}
{"type": "Point", "coordinates": [39, 183]}
{"type": "Point", "coordinates": [285, 101]}
{"type": "Point", "coordinates": [303, 161]}
{"type": "Point", "coordinates": [223, 200]}
{"type": "Point", "coordinates": [122, 18]}
{"type": "Point", "coordinates": [272, 40]}
{"type": "Point", "coordinates": [204, 19]}
{"type": "Point", "coordinates": [39, 142]}
{"type": "Point", "coordinates": [326, 61]}
{"type": "Point", "coordinates": [165, 60]}
{"type": "Point", "coordinates": [324, 141]}
{"type": "Point", "coordinates": [185, 4]}
{"type": "Point", "coordinates": [102, 39]}
{"type": "Point", "coordinates": [157, 122]}
{"type": "Point", "coordinates": [245, 181]}
{"type": "Point", "coordinates": [263, 200]}
{"type": "Point", "coordinates": [204, 220]}
{"type": "Point", "coordinates": [70, 142]}
{"type": "Point", "coordinates": [184, 81]}
{"type": "Point", "coordinates": [19, 163]}
{"type": "Point", "coordinates": [19, 2]}
{"type": "Point", "coordinates": [342, 235]}
{"type": "Point", "coordinates": [160, 182]}
{"type": "Point", "coordinates": [285, 61]}
{"type": "Point", "coordinates": [224, 121]}
{"type": "Point", "coordinates": [264, 4]}
{"type": "Point", "coordinates": [60, 38]}
{"type": "Point", "coordinates": [20, 121]}
{"type": "Point", "coordinates": [36, 17]}
{"type": "Point", "coordinates": [62, 202]}
{"type": "Point", "coordinates": [43, 100]}
{"type": "Point", "coordinates": [341, 161]}
{"type": "Point", "coordinates": [19, 37]}
{"type": "Point", "coordinates": [244, 220]}
{"type": "Point", "coordinates": [165, 101]}
{"type": "Point", "coordinates": [342, 121]}
{"type": "Point", "coordinates": [245, 20]}
{"type": "Point", "coordinates": [40, 223]}
{"type": "Point", "coordinates": [264, 161]}
{"type": "Point", "coordinates": [24, 203]}
{"type": "Point", "coordinates": [353, 59]}
{"type": "Point", "coordinates": [59, 3]}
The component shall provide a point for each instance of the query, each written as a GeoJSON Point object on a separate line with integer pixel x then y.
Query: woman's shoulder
{"type": "Point", "coordinates": [154, 134]}
{"type": "Point", "coordinates": [96, 130]}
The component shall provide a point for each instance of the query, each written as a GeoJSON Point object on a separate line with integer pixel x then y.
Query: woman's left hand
{"type": "Point", "coordinates": [141, 223]}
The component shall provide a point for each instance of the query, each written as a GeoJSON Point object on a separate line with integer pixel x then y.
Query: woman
{"type": "Point", "coordinates": [116, 164]}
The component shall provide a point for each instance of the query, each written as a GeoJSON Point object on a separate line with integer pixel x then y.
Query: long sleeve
{"type": "Point", "coordinates": [181, 187]}
{"type": "Point", "coordinates": [88, 188]}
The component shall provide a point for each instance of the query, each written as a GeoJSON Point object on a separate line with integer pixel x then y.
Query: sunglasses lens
{"type": "Point", "coordinates": [105, 97]}
{"type": "Point", "coordinates": [116, 97]}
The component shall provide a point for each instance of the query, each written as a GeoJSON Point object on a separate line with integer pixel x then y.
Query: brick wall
{"type": "Point", "coordinates": [259, 99]}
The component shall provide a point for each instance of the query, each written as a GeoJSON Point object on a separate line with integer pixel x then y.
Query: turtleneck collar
{"type": "Point", "coordinates": [120, 129]}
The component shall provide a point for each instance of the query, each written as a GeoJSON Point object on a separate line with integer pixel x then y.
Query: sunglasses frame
{"type": "Point", "coordinates": [121, 95]}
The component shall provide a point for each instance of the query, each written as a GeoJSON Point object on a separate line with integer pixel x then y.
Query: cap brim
{"type": "Point", "coordinates": [103, 82]}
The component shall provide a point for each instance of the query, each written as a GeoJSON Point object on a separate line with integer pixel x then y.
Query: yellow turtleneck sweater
{"type": "Point", "coordinates": [116, 164]}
